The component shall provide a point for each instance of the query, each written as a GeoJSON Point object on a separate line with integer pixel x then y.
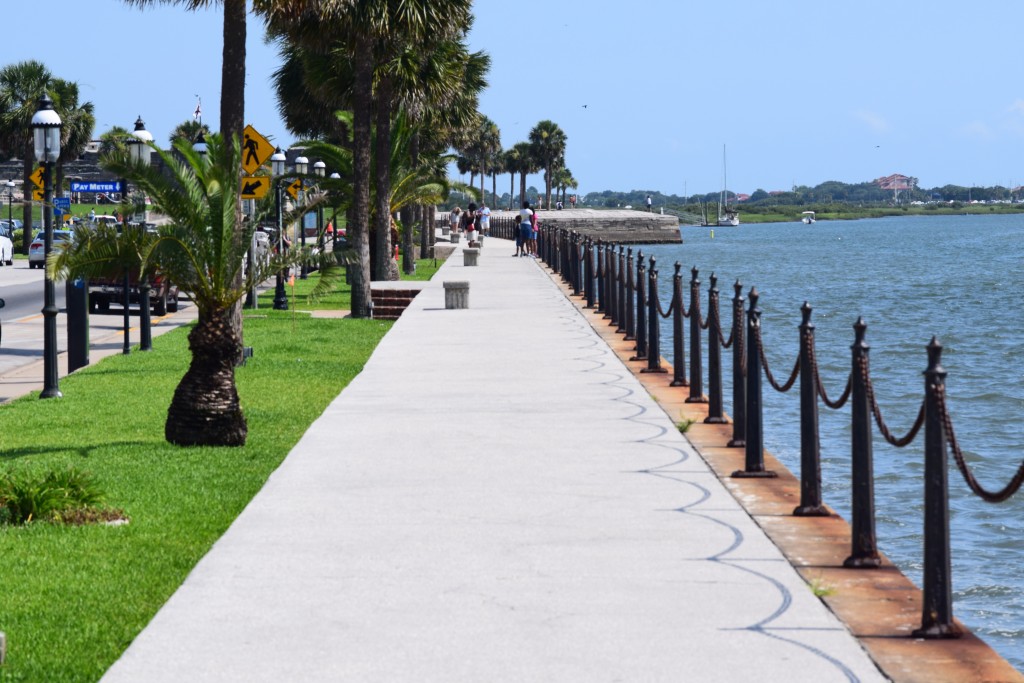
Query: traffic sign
{"type": "Point", "coordinates": [294, 188]}
{"type": "Point", "coordinates": [256, 149]}
{"type": "Point", "coordinates": [62, 203]}
{"type": "Point", "coordinates": [37, 177]}
{"type": "Point", "coordinates": [37, 194]}
{"type": "Point", "coordinates": [96, 186]}
{"type": "Point", "coordinates": [255, 188]}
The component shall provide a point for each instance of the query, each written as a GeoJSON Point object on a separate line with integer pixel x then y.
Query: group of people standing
{"type": "Point", "coordinates": [473, 221]}
{"type": "Point", "coordinates": [526, 237]}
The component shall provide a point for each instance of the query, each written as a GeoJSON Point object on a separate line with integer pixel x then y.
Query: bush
{"type": "Point", "coordinates": [25, 498]}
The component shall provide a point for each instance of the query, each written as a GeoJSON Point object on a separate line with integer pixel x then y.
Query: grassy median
{"type": "Point", "coordinates": [74, 597]}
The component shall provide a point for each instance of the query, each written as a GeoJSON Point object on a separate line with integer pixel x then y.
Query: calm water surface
{"type": "Point", "coordinates": [958, 278]}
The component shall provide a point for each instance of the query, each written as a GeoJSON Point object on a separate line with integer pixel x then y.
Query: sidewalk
{"type": "Point", "coordinates": [494, 498]}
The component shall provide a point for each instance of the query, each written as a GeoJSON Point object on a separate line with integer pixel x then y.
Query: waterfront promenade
{"type": "Point", "coordinates": [494, 498]}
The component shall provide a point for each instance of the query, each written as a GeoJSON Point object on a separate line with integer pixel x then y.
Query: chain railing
{"type": "Point", "coordinates": [626, 294]}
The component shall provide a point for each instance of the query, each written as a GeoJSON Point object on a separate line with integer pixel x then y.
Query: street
{"type": "Point", "coordinates": [22, 319]}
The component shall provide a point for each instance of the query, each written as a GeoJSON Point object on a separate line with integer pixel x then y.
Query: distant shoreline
{"type": "Point", "coordinates": [792, 214]}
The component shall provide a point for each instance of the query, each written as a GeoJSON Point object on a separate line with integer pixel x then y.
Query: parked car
{"type": "Point", "coordinates": [6, 248]}
{"type": "Point", "coordinates": [163, 295]}
{"type": "Point", "coordinates": [37, 250]}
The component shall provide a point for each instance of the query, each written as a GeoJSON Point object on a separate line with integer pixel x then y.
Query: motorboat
{"type": "Point", "coordinates": [808, 217]}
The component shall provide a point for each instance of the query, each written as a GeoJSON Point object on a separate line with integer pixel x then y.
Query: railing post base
{"type": "Point", "coordinates": [679, 383]}
{"type": "Point", "coordinates": [656, 371]}
{"type": "Point", "coordinates": [811, 511]}
{"type": "Point", "coordinates": [696, 399]}
{"type": "Point", "coordinates": [715, 421]}
{"type": "Point", "coordinates": [764, 474]}
{"type": "Point", "coordinates": [864, 562]}
{"type": "Point", "coordinates": [736, 443]}
{"type": "Point", "coordinates": [937, 631]}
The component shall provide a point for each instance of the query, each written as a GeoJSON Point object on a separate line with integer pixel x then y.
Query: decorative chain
{"type": "Point", "coordinates": [862, 367]}
{"type": "Point", "coordinates": [961, 463]}
{"type": "Point", "coordinates": [834, 405]}
{"type": "Point", "coordinates": [671, 307]}
{"type": "Point", "coordinates": [767, 371]}
{"type": "Point", "coordinates": [721, 338]}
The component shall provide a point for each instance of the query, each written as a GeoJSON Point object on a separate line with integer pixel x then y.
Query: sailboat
{"type": "Point", "coordinates": [726, 215]}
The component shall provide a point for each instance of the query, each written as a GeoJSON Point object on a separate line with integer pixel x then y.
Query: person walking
{"type": "Point", "coordinates": [525, 228]}
{"type": "Point", "coordinates": [453, 219]}
{"type": "Point", "coordinates": [648, 203]}
{"type": "Point", "coordinates": [469, 222]}
{"type": "Point", "coordinates": [485, 220]}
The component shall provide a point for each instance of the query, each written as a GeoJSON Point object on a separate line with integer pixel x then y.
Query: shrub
{"type": "Point", "coordinates": [24, 497]}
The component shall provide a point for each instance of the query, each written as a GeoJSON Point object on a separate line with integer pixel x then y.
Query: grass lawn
{"type": "Point", "coordinates": [73, 598]}
{"type": "Point", "coordinates": [341, 297]}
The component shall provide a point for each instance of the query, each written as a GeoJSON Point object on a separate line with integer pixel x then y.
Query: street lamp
{"type": "Point", "coordinates": [302, 168]}
{"type": "Point", "coordinates": [46, 138]}
{"type": "Point", "coordinates": [334, 218]}
{"type": "Point", "coordinates": [138, 147]}
{"type": "Point", "coordinates": [10, 207]}
{"type": "Point", "coordinates": [319, 170]}
{"type": "Point", "coordinates": [277, 161]}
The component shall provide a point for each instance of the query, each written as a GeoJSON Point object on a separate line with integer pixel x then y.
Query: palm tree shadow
{"type": "Point", "coordinates": [84, 452]}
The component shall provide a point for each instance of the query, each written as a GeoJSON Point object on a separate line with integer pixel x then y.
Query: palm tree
{"type": "Point", "coordinates": [200, 250]}
{"type": "Point", "coordinates": [189, 130]}
{"type": "Point", "coordinates": [115, 139]}
{"type": "Point", "coordinates": [548, 144]}
{"type": "Point", "coordinates": [525, 164]}
{"type": "Point", "coordinates": [21, 86]}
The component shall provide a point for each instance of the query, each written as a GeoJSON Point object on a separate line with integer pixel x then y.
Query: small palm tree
{"type": "Point", "coordinates": [202, 252]}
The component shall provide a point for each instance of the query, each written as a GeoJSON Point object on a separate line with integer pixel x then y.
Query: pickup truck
{"type": "Point", "coordinates": [163, 295]}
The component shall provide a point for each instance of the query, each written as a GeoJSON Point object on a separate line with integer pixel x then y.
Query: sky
{"type": "Point", "coordinates": [653, 95]}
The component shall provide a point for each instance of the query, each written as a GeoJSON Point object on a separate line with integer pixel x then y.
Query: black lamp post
{"type": "Point", "coordinates": [277, 161]}
{"type": "Point", "coordinates": [46, 136]}
{"type": "Point", "coordinates": [199, 146]}
{"type": "Point", "coordinates": [302, 168]}
{"type": "Point", "coordinates": [334, 218]}
{"type": "Point", "coordinates": [138, 146]}
{"type": "Point", "coordinates": [320, 170]}
{"type": "Point", "coordinates": [10, 207]}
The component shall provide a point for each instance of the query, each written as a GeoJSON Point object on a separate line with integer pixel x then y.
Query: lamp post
{"type": "Point", "coordinates": [320, 170]}
{"type": "Point", "coordinates": [302, 168]}
{"type": "Point", "coordinates": [10, 207]}
{"type": "Point", "coordinates": [46, 137]}
{"type": "Point", "coordinates": [138, 146]}
{"type": "Point", "coordinates": [334, 218]}
{"type": "Point", "coordinates": [199, 146]}
{"type": "Point", "coordinates": [277, 161]}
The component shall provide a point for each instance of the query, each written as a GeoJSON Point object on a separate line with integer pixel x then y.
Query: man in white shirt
{"type": "Point", "coordinates": [485, 220]}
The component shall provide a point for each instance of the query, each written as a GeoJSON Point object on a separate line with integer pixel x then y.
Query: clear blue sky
{"type": "Point", "coordinates": [799, 91]}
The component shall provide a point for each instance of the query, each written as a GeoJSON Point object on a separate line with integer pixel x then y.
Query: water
{"type": "Point", "coordinates": [959, 278]}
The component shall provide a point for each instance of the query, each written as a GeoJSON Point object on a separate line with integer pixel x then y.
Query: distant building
{"type": "Point", "coordinates": [896, 183]}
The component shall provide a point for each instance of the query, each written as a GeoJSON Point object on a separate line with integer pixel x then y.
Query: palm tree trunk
{"type": "Point", "coordinates": [362, 109]}
{"type": "Point", "coordinates": [511, 190]}
{"type": "Point", "coordinates": [382, 180]}
{"type": "Point", "coordinates": [232, 113]}
{"type": "Point", "coordinates": [408, 220]}
{"type": "Point", "coordinates": [205, 410]}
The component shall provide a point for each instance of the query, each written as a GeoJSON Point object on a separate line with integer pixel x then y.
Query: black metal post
{"type": "Point", "coordinates": [754, 460]}
{"type": "Point", "coordinates": [303, 268]}
{"type": "Point", "coordinates": [716, 413]}
{"type": "Point", "coordinates": [936, 580]}
{"type": "Point", "coordinates": [51, 385]}
{"type": "Point", "coordinates": [588, 272]}
{"type": "Point", "coordinates": [641, 308]}
{"type": "Point", "coordinates": [620, 296]}
{"type": "Point", "coordinates": [599, 275]}
{"type": "Point", "coordinates": [864, 553]}
{"type": "Point", "coordinates": [613, 289]}
{"type": "Point", "coordinates": [739, 384]}
{"type": "Point", "coordinates": [810, 446]}
{"type": "Point", "coordinates": [145, 319]}
{"type": "Point", "coordinates": [628, 310]}
{"type": "Point", "coordinates": [678, 346]}
{"type": "Point", "coordinates": [696, 359]}
{"type": "Point", "coordinates": [653, 322]}
{"type": "Point", "coordinates": [280, 295]}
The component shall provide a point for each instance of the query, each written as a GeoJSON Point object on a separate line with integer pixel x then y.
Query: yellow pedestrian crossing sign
{"type": "Point", "coordinates": [37, 177]}
{"type": "Point", "coordinates": [294, 188]}
{"type": "Point", "coordinates": [254, 187]}
{"type": "Point", "coordinates": [256, 149]}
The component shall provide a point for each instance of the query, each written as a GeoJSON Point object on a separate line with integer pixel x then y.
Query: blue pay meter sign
{"type": "Point", "coordinates": [96, 186]}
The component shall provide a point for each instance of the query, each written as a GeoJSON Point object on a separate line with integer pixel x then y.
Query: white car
{"type": "Point", "coordinates": [37, 250]}
{"type": "Point", "coordinates": [6, 248]}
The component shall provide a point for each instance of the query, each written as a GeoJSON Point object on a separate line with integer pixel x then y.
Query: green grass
{"type": "Point", "coordinates": [74, 597]}
{"type": "Point", "coordinates": [340, 298]}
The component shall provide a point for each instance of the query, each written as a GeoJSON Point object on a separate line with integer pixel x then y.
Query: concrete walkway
{"type": "Point", "coordinates": [494, 498]}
